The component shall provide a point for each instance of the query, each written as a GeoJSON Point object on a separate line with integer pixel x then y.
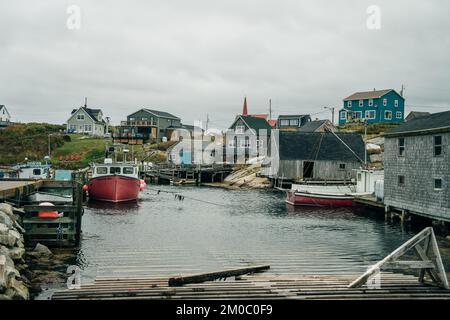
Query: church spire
{"type": "Point", "coordinates": [245, 111]}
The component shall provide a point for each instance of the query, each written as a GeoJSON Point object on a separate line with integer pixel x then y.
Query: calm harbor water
{"type": "Point", "coordinates": [213, 229]}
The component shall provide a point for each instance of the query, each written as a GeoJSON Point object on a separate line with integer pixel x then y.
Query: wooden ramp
{"type": "Point", "coordinates": [16, 188]}
{"type": "Point", "coordinates": [259, 286]}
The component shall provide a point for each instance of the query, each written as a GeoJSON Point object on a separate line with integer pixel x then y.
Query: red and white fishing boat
{"type": "Point", "coordinates": [114, 182]}
{"type": "Point", "coordinates": [314, 195]}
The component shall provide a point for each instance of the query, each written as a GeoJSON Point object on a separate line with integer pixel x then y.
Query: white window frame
{"type": "Point", "coordinates": [384, 102]}
{"type": "Point", "coordinates": [357, 112]}
{"type": "Point", "coordinates": [396, 103]}
{"type": "Point", "coordinates": [239, 129]}
{"type": "Point", "coordinates": [80, 117]}
{"type": "Point", "coordinates": [343, 115]}
{"type": "Point", "coordinates": [368, 113]}
{"type": "Point", "coordinates": [370, 102]}
{"type": "Point", "coordinates": [361, 103]}
{"type": "Point", "coordinates": [284, 122]}
{"type": "Point", "coordinates": [88, 127]}
{"type": "Point", "coordinates": [387, 118]}
{"type": "Point", "coordinates": [349, 104]}
{"type": "Point", "coordinates": [398, 114]}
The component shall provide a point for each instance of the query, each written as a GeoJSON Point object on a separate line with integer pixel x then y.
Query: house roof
{"type": "Point", "coordinates": [272, 122]}
{"type": "Point", "coordinates": [426, 124]}
{"type": "Point", "coordinates": [161, 114]}
{"type": "Point", "coordinates": [255, 123]}
{"type": "Point", "coordinates": [320, 146]}
{"type": "Point", "coordinates": [368, 94]}
{"type": "Point", "coordinates": [416, 114]}
{"type": "Point", "coordinates": [93, 113]}
{"type": "Point", "coordinates": [293, 116]}
{"type": "Point", "coordinates": [312, 126]}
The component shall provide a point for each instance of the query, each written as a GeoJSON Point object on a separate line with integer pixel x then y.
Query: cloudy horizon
{"type": "Point", "coordinates": [199, 57]}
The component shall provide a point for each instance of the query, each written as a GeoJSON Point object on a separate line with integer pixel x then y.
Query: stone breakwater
{"type": "Point", "coordinates": [12, 251]}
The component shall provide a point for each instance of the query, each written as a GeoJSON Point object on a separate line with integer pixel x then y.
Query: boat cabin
{"type": "Point", "coordinates": [33, 170]}
{"type": "Point", "coordinates": [117, 168]}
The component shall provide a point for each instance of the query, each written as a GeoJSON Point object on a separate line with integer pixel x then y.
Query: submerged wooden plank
{"type": "Point", "coordinates": [209, 276]}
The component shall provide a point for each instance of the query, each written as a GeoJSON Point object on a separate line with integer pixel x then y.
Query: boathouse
{"type": "Point", "coordinates": [417, 166]}
{"type": "Point", "coordinates": [314, 156]}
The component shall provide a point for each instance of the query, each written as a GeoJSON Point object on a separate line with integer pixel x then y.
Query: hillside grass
{"type": "Point", "coordinates": [372, 129]}
{"type": "Point", "coordinates": [88, 149]}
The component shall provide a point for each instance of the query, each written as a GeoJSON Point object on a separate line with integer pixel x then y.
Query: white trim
{"type": "Point", "coordinates": [367, 114]}
{"type": "Point", "coordinates": [401, 115]}
{"type": "Point", "coordinates": [344, 114]}
{"type": "Point", "coordinates": [361, 103]}
{"type": "Point", "coordinates": [370, 102]}
{"type": "Point", "coordinates": [386, 111]}
{"type": "Point", "coordinates": [384, 102]}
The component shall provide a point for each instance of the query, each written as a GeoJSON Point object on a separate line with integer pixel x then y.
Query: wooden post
{"type": "Point", "coordinates": [79, 212]}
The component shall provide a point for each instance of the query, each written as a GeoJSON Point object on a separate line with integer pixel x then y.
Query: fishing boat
{"type": "Point", "coordinates": [114, 182]}
{"type": "Point", "coordinates": [313, 195]}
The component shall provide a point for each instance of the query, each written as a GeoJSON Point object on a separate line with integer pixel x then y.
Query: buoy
{"type": "Point", "coordinates": [47, 214]}
{"type": "Point", "coordinates": [142, 185]}
{"type": "Point", "coordinates": [85, 187]}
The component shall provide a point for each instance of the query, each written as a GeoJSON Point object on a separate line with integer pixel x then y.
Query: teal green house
{"type": "Point", "coordinates": [374, 107]}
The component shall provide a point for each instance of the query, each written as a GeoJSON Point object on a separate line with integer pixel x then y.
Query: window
{"type": "Point", "coordinates": [398, 114]}
{"type": "Point", "coordinates": [73, 127]}
{"type": "Point", "coordinates": [438, 184]}
{"type": "Point", "coordinates": [370, 114]}
{"type": "Point", "coordinates": [131, 119]}
{"type": "Point", "coordinates": [293, 122]}
{"type": "Point", "coordinates": [343, 115]}
{"type": "Point", "coordinates": [260, 143]}
{"type": "Point", "coordinates": [128, 170]}
{"type": "Point", "coordinates": [284, 123]}
{"type": "Point", "coordinates": [437, 143]}
{"type": "Point", "coordinates": [341, 166]}
{"type": "Point", "coordinates": [396, 103]}
{"type": "Point", "coordinates": [388, 115]}
{"type": "Point", "coordinates": [370, 102]}
{"type": "Point", "coordinates": [359, 177]}
{"type": "Point", "coordinates": [240, 129]}
{"type": "Point", "coordinates": [361, 103]}
{"type": "Point", "coordinates": [401, 181]}
{"type": "Point", "coordinates": [384, 102]}
{"type": "Point", "coordinates": [102, 170]}
{"type": "Point", "coordinates": [36, 172]}
{"type": "Point", "coordinates": [80, 116]}
{"type": "Point", "coordinates": [357, 114]}
{"type": "Point", "coordinates": [87, 127]}
{"type": "Point", "coordinates": [349, 104]}
{"type": "Point", "coordinates": [401, 146]}
{"type": "Point", "coordinates": [231, 143]}
{"type": "Point", "coordinates": [114, 170]}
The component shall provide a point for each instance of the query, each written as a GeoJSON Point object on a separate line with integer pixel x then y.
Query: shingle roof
{"type": "Point", "coordinates": [256, 123]}
{"type": "Point", "coordinates": [161, 114]}
{"type": "Point", "coordinates": [292, 115]}
{"type": "Point", "coordinates": [416, 114]}
{"type": "Point", "coordinates": [312, 126]}
{"type": "Point", "coordinates": [93, 113]}
{"type": "Point", "coordinates": [367, 94]}
{"type": "Point", "coordinates": [320, 146]}
{"type": "Point", "coordinates": [432, 122]}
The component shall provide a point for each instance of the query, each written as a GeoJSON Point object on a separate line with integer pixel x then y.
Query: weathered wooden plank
{"type": "Point", "coordinates": [209, 276]}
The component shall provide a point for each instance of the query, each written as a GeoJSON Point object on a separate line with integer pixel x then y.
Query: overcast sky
{"type": "Point", "coordinates": [193, 57]}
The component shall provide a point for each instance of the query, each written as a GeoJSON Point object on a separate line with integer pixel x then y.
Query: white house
{"type": "Point", "coordinates": [86, 121]}
{"type": "Point", "coordinates": [4, 114]}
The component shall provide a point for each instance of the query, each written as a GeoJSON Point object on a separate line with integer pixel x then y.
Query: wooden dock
{"type": "Point", "coordinates": [258, 286]}
{"type": "Point", "coordinates": [370, 201]}
{"type": "Point", "coordinates": [14, 189]}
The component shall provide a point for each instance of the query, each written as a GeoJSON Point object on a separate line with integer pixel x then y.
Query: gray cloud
{"type": "Point", "coordinates": [196, 57]}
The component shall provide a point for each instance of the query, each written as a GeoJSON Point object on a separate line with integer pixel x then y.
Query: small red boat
{"type": "Point", "coordinates": [299, 198]}
{"type": "Point", "coordinates": [115, 182]}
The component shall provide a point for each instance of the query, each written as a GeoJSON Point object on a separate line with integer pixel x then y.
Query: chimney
{"type": "Point", "coordinates": [85, 102]}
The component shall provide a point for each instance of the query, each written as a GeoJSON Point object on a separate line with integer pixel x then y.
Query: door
{"type": "Point", "coordinates": [308, 169]}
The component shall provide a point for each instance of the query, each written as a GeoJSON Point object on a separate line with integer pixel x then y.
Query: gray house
{"type": "Point", "coordinates": [317, 156]}
{"type": "Point", "coordinates": [417, 166]}
{"type": "Point", "coordinates": [5, 117]}
{"type": "Point", "coordinates": [147, 125]}
{"type": "Point", "coordinates": [292, 122]}
{"type": "Point", "coordinates": [86, 121]}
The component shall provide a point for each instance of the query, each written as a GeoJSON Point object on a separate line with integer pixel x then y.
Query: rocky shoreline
{"type": "Point", "coordinates": [246, 176]}
{"type": "Point", "coordinates": [23, 272]}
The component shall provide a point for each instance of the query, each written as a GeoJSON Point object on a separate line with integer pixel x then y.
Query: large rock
{"type": "Point", "coordinates": [42, 250]}
{"type": "Point", "coordinates": [6, 220]}
{"type": "Point", "coordinates": [16, 253]}
{"type": "Point", "coordinates": [18, 290]}
{"type": "Point", "coordinates": [8, 209]}
{"type": "Point", "coordinates": [10, 237]}
{"type": "Point", "coordinates": [376, 157]}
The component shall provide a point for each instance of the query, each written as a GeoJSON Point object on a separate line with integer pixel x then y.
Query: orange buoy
{"type": "Point", "coordinates": [85, 187]}
{"type": "Point", "coordinates": [47, 214]}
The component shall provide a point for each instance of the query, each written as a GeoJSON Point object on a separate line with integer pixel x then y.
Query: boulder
{"type": "Point", "coordinates": [376, 157]}
{"type": "Point", "coordinates": [18, 290]}
{"type": "Point", "coordinates": [16, 253]}
{"type": "Point", "coordinates": [8, 209]}
{"type": "Point", "coordinates": [42, 250]}
{"type": "Point", "coordinates": [6, 220]}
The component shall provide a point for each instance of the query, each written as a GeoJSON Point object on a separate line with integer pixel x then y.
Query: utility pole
{"type": "Point", "coordinates": [207, 122]}
{"type": "Point", "coordinates": [332, 113]}
{"type": "Point", "coordinates": [49, 146]}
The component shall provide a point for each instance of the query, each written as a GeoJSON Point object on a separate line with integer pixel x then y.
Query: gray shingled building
{"type": "Point", "coordinates": [416, 166]}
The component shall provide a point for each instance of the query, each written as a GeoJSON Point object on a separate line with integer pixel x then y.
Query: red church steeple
{"type": "Point", "coordinates": [245, 111]}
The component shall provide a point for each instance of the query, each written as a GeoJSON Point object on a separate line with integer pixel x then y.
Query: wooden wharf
{"type": "Point", "coordinates": [425, 278]}
{"type": "Point", "coordinates": [187, 174]}
{"type": "Point", "coordinates": [369, 201]}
